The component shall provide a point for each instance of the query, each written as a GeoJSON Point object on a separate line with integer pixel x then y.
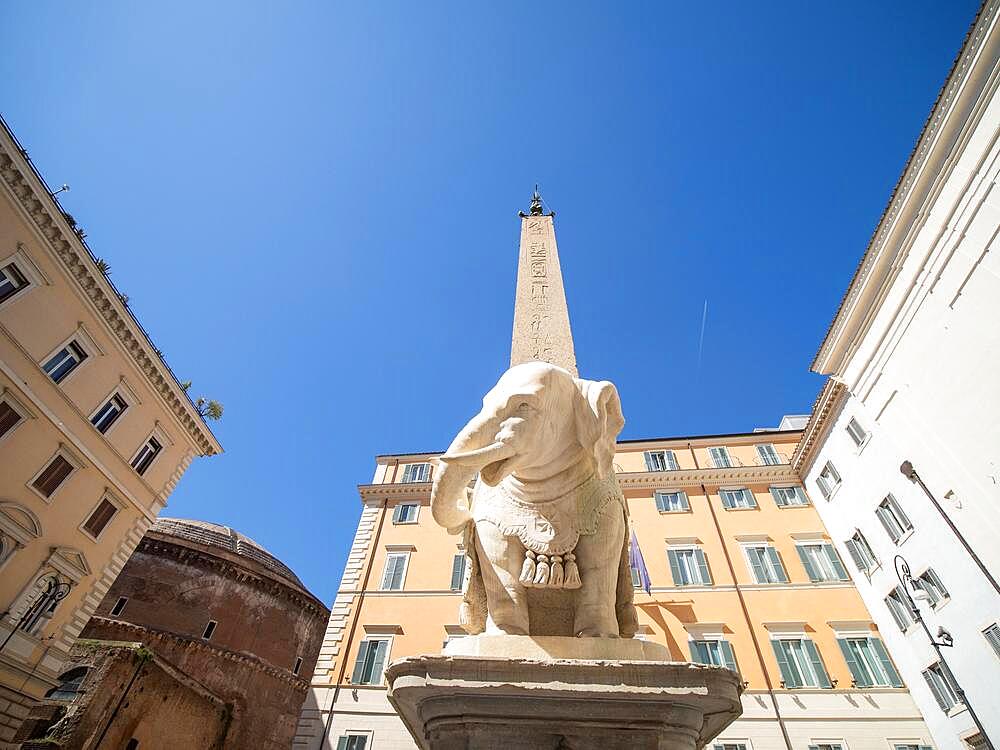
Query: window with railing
{"type": "Point", "coordinates": [768, 455]}
{"type": "Point", "coordinates": [660, 461]}
{"type": "Point", "coordinates": [720, 457]}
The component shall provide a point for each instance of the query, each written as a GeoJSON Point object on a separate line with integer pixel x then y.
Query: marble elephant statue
{"type": "Point", "coordinates": [545, 524]}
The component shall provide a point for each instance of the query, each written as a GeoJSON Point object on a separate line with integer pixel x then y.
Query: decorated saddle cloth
{"type": "Point", "coordinates": [552, 527]}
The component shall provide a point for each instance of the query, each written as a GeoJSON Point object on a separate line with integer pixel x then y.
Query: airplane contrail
{"type": "Point", "coordinates": [701, 338]}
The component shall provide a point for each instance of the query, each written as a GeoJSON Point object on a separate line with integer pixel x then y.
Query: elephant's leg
{"type": "Point", "coordinates": [598, 557]}
{"type": "Point", "coordinates": [500, 559]}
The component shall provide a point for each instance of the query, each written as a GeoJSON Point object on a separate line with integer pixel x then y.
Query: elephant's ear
{"type": "Point", "coordinates": [598, 421]}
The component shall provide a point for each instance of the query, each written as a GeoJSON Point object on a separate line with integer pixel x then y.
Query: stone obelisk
{"type": "Point", "coordinates": [541, 316]}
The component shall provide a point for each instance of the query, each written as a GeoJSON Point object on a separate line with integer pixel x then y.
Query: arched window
{"type": "Point", "coordinates": [69, 684]}
{"type": "Point", "coordinates": [37, 605]}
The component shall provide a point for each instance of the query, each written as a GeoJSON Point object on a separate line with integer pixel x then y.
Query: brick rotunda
{"type": "Point", "coordinates": [222, 633]}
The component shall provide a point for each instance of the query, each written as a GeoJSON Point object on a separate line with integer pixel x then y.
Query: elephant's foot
{"type": "Point", "coordinates": [595, 621]}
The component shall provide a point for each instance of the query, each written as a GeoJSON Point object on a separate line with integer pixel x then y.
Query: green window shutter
{"type": "Point", "coordinates": [757, 563]}
{"type": "Point", "coordinates": [790, 678]}
{"type": "Point", "coordinates": [675, 568]}
{"type": "Point", "coordinates": [807, 564]}
{"type": "Point", "coordinates": [852, 548]}
{"type": "Point", "coordinates": [649, 461]}
{"type": "Point", "coordinates": [699, 653]}
{"type": "Point", "coordinates": [887, 665]}
{"type": "Point", "coordinates": [685, 505]}
{"type": "Point", "coordinates": [359, 665]}
{"type": "Point", "coordinates": [636, 582]}
{"type": "Point", "coordinates": [457, 571]}
{"type": "Point", "coordinates": [834, 558]}
{"type": "Point", "coordinates": [750, 497]}
{"type": "Point", "coordinates": [727, 655]}
{"type": "Point", "coordinates": [379, 662]}
{"type": "Point", "coordinates": [727, 499]}
{"type": "Point", "coordinates": [706, 577]}
{"type": "Point", "coordinates": [779, 569]}
{"type": "Point", "coordinates": [801, 494]}
{"type": "Point", "coordinates": [661, 502]}
{"type": "Point", "coordinates": [779, 497]}
{"type": "Point", "coordinates": [342, 743]}
{"type": "Point", "coordinates": [859, 675]}
{"type": "Point", "coordinates": [397, 511]}
{"type": "Point", "coordinates": [821, 675]}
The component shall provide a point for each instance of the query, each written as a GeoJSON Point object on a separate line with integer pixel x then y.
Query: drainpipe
{"type": "Point", "coordinates": [746, 611]}
{"type": "Point", "coordinates": [357, 616]}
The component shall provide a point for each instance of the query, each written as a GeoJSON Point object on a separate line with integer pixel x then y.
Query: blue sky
{"type": "Point", "coordinates": [312, 205]}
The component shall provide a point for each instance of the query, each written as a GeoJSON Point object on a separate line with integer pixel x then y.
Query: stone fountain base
{"type": "Point", "coordinates": [526, 693]}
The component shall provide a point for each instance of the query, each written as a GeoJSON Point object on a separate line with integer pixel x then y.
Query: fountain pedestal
{"type": "Point", "coordinates": [529, 693]}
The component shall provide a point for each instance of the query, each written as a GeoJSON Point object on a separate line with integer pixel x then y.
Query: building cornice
{"type": "Point", "coordinates": [27, 187]}
{"type": "Point", "coordinates": [394, 490]}
{"type": "Point", "coordinates": [144, 634]}
{"type": "Point", "coordinates": [712, 477]}
{"type": "Point", "coordinates": [826, 407]}
{"type": "Point", "coordinates": [908, 195]}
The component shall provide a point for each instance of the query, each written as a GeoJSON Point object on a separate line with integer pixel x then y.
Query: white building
{"type": "Point", "coordinates": [913, 356]}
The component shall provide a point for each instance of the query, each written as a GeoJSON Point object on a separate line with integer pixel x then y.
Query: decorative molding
{"type": "Point", "coordinates": [408, 490]}
{"type": "Point", "coordinates": [681, 478]}
{"type": "Point", "coordinates": [145, 634]}
{"type": "Point", "coordinates": [902, 193]}
{"type": "Point", "coordinates": [69, 249]}
{"type": "Point", "coordinates": [828, 403]}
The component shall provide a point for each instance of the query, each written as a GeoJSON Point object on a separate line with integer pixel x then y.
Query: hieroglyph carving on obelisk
{"type": "Point", "coordinates": [541, 317]}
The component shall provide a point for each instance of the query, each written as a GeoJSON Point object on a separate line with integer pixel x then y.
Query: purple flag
{"type": "Point", "coordinates": [640, 575]}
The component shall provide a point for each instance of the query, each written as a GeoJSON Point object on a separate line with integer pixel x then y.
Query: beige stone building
{"type": "Point", "coordinates": [95, 432]}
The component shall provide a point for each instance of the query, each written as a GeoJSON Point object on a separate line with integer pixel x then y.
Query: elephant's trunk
{"type": "Point", "coordinates": [471, 451]}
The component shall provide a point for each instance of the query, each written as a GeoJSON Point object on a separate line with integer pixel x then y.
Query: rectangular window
{"type": "Point", "coordinates": [636, 578]}
{"type": "Point", "coordinates": [899, 607]}
{"type": "Point", "coordinates": [672, 502]}
{"type": "Point", "coordinates": [9, 417]}
{"type": "Point", "coordinates": [458, 572]}
{"type": "Point", "coordinates": [108, 414]}
{"type": "Point", "coordinates": [869, 663]}
{"type": "Point", "coordinates": [861, 552]}
{"type": "Point", "coordinates": [931, 584]}
{"type": "Point", "coordinates": [405, 513]}
{"type": "Point", "coordinates": [298, 665]}
{"type": "Point", "coordinates": [64, 361]}
{"type": "Point", "coordinates": [821, 561]}
{"type": "Point", "coordinates": [209, 630]}
{"type": "Point", "coordinates": [734, 499]}
{"type": "Point", "coordinates": [827, 746]}
{"type": "Point", "coordinates": [352, 742]}
{"type": "Point", "coordinates": [992, 635]}
{"type": "Point", "coordinates": [768, 455]}
{"type": "Point", "coordinates": [720, 458]}
{"type": "Point", "coordinates": [53, 475]}
{"type": "Point", "coordinates": [893, 518]}
{"type": "Point", "coordinates": [729, 746]}
{"type": "Point", "coordinates": [788, 497]}
{"type": "Point", "coordinates": [660, 461]}
{"type": "Point", "coordinates": [828, 480]}
{"type": "Point", "coordinates": [910, 746]}
{"type": "Point", "coordinates": [800, 664]}
{"type": "Point", "coordinates": [941, 687]}
{"type": "Point", "coordinates": [416, 473]}
{"type": "Point", "coordinates": [147, 453]}
{"type": "Point", "coordinates": [716, 651]}
{"type": "Point", "coordinates": [858, 433]}
{"type": "Point", "coordinates": [395, 571]}
{"type": "Point", "coordinates": [100, 518]}
{"type": "Point", "coordinates": [765, 564]}
{"type": "Point", "coordinates": [11, 281]}
{"type": "Point", "coordinates": [689, 567]}
{"type": "Point", "coordinates": [371, 661]}
{"type": "Point", "coordinates": [119, 606]}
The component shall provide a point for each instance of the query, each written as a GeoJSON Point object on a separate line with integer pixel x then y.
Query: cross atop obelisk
{"type": "Point", "coordinates": [541, 317]}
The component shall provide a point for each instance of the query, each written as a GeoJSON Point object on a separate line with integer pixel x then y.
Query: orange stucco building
{"type": "Point", "coordinates": [741, 572]}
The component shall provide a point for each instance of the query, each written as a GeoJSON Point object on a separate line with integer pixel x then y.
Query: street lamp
{"type": "Point", "coordinates": [942, 640]}
{"type": "Point", "coordinates": [55, 591]}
